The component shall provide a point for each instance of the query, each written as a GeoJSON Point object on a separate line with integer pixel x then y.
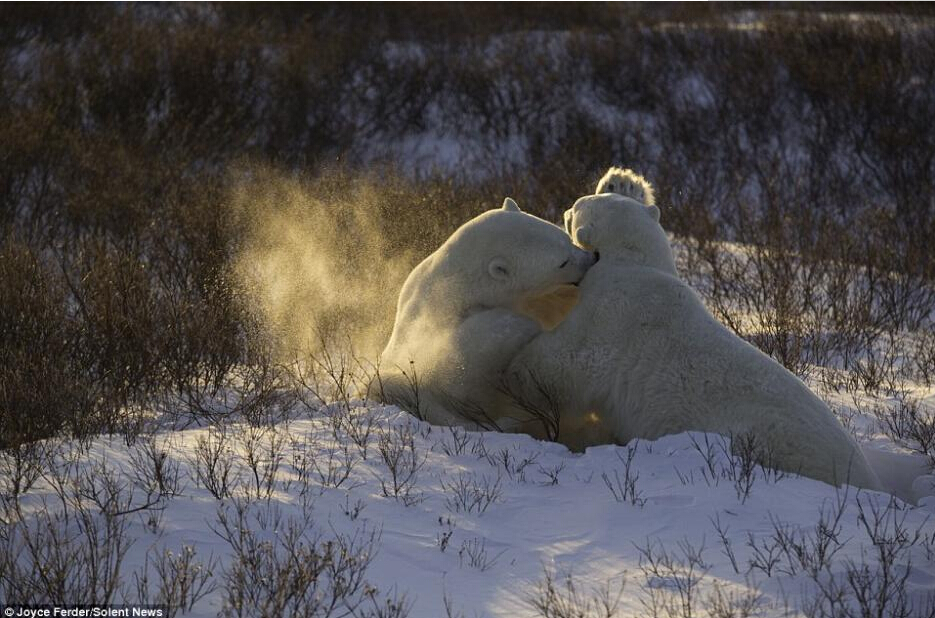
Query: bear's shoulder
{"type": "Point", "coordinates": [619, 286]}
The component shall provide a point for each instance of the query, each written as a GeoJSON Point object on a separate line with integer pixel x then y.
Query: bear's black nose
{"type": "Point", "coordinates": [597, 256]}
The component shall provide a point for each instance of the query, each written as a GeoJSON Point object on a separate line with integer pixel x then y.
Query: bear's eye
{"type": "Point", "coordinates": [564, 264]}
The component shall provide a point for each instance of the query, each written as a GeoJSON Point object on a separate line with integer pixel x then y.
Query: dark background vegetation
{"type": "Point", "coordinates": [799, 131]}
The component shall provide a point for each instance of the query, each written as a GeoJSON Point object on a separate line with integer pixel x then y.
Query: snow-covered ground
{"type": "Point", "coordinates": [358, 509]}
{"type": "Point", "coordinates": [476, 520]}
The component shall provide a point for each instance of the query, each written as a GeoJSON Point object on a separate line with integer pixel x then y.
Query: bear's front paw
{"type": "Point", "coordinates": [627, 183]}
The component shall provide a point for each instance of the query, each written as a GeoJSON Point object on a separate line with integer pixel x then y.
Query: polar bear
{"type": "Point", "coordinates": [641, 357]}
{"type": "Point", "coordinates": [469, 307]}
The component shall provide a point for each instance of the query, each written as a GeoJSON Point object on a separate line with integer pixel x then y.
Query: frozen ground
{"type": "Point", "coordinates": [477, 519]}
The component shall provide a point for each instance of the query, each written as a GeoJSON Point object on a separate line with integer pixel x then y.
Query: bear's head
{"type": "Point", "coordinates": [618, 226]}
{"type": "Point", "coordinates": [506, 256]}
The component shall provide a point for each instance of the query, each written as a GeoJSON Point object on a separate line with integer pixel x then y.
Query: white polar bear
{"type": "Point", "coordinates": [641, 357]}
{"type": "Point", "coordinates": [465, 311]}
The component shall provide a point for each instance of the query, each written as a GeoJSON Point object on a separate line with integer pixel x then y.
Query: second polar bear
{"type": "Point", "coordinates": [641, 357]}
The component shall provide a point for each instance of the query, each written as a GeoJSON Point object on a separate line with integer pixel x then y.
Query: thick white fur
{"type": "Point", "coordinates": [627, 182]}
{"type": "Point", "coordinates": [640, 357]}
{"type": "Point", "coordinates": [462, 315]}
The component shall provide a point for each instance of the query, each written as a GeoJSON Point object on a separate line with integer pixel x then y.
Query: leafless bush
{"type": "Point", "coordinates": [317, 467]}
{"type": "Point", "coordinates": [740, 459]}
{"type": "Point", "coordinates": [353, 511]}
{"type": "Point", "coordinates": [815, 551]}
{"type": "Point", "coordinates": [479, 448]}
{"type": "Point", "coordinates": [403, 462]}
{"type": "Point", "coordinates": [552, 473]}
{"type": "Point", "coordinates": [154, 469]}
{"type": "Point", "coordinates": [473, 552]}
{"type": "Point", "coordinates": [20, 467]}
{"type": "Point", "coordinates": [875, 585]}
{"type": "Point", "coordinates": [153, 520]}
{"type": "Point", "coordinates": [72, 549]}
{"type": "Point", "coordinates": [559, 597]}
{"type": "Point", "coordinates": [671, 581]}
{"type": "Point", "coordinates": [213, 462]}
{"type": "Point", "coordinates": [450, 611]}
{"type": "Point", "coordinates": [283, 567]}
{"type": "Point", "coordinates": [56, 557]}
{"type": "Point", "coordinates": [846, 416]}
{"type": "Point", "coordinates": [625, 490]}
{"type": "Point", "coordinates": [928, 544]}
{"type": "Point", "coordinates": [405, 389]}
{"type": "Point", "coordinates": [886, 528]}
{"type": "Point", "coordinates": [471, 412]}
{"type": "Point", "coordinates": [505, 459]}
{"type": "Point", "coordinates": [792, 549]}
{"type": "Point", "coordinates": [104, 486]}
{"type": "Point", "coordinates": [924, 357]}
{"type": "Point", "coordinates": [358, 425]}
{"type": "Point", "coordinates": [443, 538]}
{"type": "Point", "coordinates": [331, 376]}
{"type": "Point", "coordinates": [725, 603]}
{"type": "Point", "coordinates": [708, 449]}
{"type": "Point", "coordinates": [910, 423]}
{"type": "Point", "coordinates": [469, 494]}
{"type": "Point", "coordinates": [335, 466]}
{"type": "Point", "coordinates": [392, 605]}
{"type": "Point", "coordinates": [766, 553]}
{"type": "Point", "coordinates": [454, 442]}
{"type": "Point", "coordinates": [181, 580]}
{"type": "Point", "coordinates": [301, 463]}
{"type": "Point", "coordinates": [42, 389]}
{"type": "Point", "coordinates": [253, 391]}
{"type": "Point", "coordinates": [726, 544]}
{"type": "Point", "coordinates": [685, 478]}
{"type": "Point", "coordinates": [862, 592]}
{"type": "Point", "coordinates": [538, 399]}
{"type": "Point", "coordinates": [262, 454]}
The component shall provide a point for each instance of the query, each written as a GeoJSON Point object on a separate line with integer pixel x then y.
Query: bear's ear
{"type": "Point", "coordinates": [653, 212]}
{"type": "Point", "coordinates": [498, 269]}
{"type": "Point", "coordinates": [510, 204]}
{"type": "Point", "coordinates": [582, 235]}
